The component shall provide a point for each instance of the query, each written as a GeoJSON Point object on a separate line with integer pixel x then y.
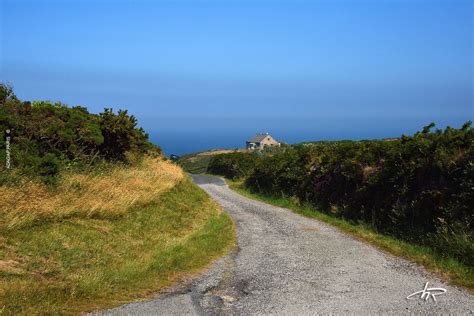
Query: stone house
{"type": "Point", "coordinates": [260, 141]}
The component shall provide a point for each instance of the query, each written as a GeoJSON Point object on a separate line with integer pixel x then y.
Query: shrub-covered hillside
{"type": "Point", "coordinates": [47, 137]}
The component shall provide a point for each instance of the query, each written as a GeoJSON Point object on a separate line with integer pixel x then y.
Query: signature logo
{"type": "Point", "coordinates": [426, 293]}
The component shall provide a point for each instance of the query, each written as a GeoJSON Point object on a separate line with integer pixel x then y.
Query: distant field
{"type": "Point", "coordinates": [198, 162]}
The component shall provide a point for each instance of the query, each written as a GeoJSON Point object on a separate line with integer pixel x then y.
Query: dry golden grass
{"type": "Point", "coordinates": [11, 266]}
{"type": "Point", "coordinates": [87, 195]}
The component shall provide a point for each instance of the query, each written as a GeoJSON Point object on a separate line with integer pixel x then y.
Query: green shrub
{"type": "Point", "coordinates": [120, 134]}
{"type": "Point", "coordinates": [48, 136]}
{"type": "Point", "coordinates": [233, 165]}
{"type": "Point", "coordinates": [49, 168]}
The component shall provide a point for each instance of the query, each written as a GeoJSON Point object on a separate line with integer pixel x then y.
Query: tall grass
{"type": "Point", "coordinates": [106, 194]}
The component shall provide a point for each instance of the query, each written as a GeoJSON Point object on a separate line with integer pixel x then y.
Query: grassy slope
{"type": "Point", "coordinates": [450, 269]}
{"type": "Point", "coordinates": [195, 163]}
{"type": "Point", "coordinates": [198, 162]}
{"type": "Point", "coordinates": [83, 264]}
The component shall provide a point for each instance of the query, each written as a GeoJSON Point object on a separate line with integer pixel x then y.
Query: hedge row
{"type": "Point", "coordinates": [233, 165]}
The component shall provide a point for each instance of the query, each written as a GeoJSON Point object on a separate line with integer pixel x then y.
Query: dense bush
{"type": "Point", "coordinates": [233, 165]}
{"type": "Point", "coordinates": [121, 134]}
{"type": "Point", "coordinates": [418, 188]}
{"type": "Point", "coordinates": [46, 137]}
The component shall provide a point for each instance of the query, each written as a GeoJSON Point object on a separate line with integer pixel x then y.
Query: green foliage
{"type": "Point", "coordinates": [121, 134]}
{"type": "Point", "coordinates": [195, 163]}
{"type": "Point", "coordinates": [233, 165]}
{"type": "Point", "coordinates": [418, 188]}
{"type": "Point", "coordinates": [49, 168]}
{"type": "Point", "coordinates": [47, 136]}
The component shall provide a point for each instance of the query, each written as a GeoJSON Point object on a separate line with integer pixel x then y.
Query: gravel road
{"type": "Point", "coordinates": [288, 264]}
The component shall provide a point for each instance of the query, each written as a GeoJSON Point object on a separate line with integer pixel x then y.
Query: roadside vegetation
{"type": "Point", "coordinates": [92, 215]}
{"type": "Point", "coordinates": [197, 163]}
{"type": "Point", "coordinates": [411, 195]}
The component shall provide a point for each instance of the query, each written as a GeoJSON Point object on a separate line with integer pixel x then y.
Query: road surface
{"type": "Point", "coordinates": [288, 264]}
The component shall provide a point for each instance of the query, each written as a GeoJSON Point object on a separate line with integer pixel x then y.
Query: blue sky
{"type": "Point", "coordinates": [208, 74]}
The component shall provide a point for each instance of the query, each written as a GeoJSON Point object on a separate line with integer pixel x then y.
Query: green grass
{"type": "Point", "coordinates": [448, 268]}
{"type": "Point", "coordinates": [78, 265]}
{"type": "Point", "coordinates": [195, 163]}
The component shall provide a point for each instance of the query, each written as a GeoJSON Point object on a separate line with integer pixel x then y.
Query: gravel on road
{"type": "Point", "coordinates": [285, 263]}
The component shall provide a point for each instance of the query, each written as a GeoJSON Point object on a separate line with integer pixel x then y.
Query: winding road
{"type": "Point", "coordinates": [288, 264]}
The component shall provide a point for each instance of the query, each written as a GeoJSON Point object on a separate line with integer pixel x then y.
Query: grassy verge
{"type": "Point", "coordinates": [198, 162]}
{"type": "Point", "coordinates": [78, 263]}
{"type": "Point", "coordinates": [195, 163]}
{"type": "Point", "coordinates": [450, 269]}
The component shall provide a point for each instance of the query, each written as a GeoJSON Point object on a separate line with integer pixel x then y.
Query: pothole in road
{"type": "Point", "coordinates": [226, 295]}
{"type": "Point", "coordinates": [227, 298]}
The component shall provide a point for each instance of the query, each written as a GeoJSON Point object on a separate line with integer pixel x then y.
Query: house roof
{"type": "Point", "coordinates": [258, 138]}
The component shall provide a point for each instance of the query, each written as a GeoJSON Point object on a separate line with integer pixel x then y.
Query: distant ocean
{"type": "Point", "coordinates": [205, 134]}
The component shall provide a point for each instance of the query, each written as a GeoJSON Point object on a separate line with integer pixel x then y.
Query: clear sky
{"type": "Point", "coordinates": [209, 74]}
